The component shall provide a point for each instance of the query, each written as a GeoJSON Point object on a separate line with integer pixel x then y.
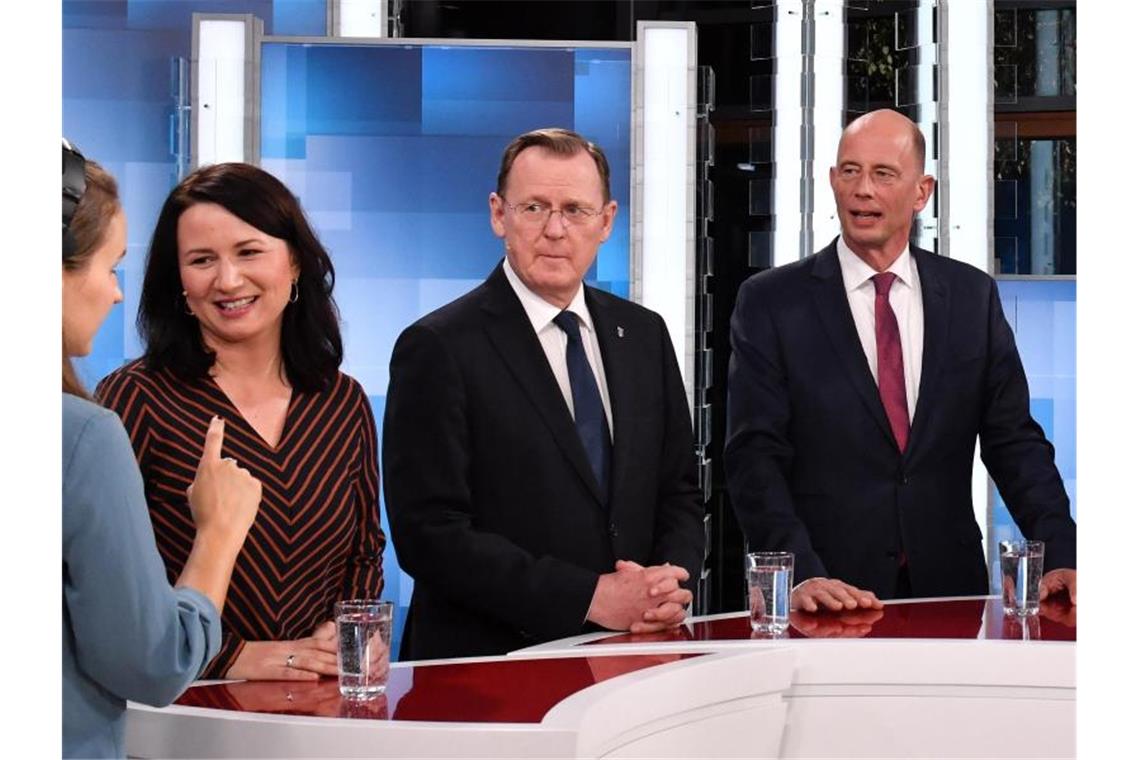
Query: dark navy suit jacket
{"type": "Point", "coordinates": [810, 461]}
{"type": "Point", "coordinates": [492, 504]}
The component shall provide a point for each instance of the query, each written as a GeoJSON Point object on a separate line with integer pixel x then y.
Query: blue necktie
{"type": "Point", "coordinates": [589, 415]}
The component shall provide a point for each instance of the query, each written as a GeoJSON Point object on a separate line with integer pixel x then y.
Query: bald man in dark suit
{"type": "Point", "coordinates": [860, 380]}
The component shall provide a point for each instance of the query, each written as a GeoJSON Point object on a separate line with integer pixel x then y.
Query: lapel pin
{"type": "Point", "coordinates": [621, 331]}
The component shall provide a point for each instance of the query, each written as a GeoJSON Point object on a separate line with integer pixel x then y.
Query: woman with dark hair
{"type": "Point", "coordinates": [126, 633]}
{"type": "Point", "coordinates": [239, 321]}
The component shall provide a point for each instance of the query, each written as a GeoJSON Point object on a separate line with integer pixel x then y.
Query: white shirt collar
{"type": "Point", "coordinates": [857, 273]}
{"type": "Point", "coordinates": [541, 312]}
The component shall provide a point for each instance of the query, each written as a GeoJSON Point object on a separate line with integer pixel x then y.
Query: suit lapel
{"type": "Point", "coordinates": [620, 381]}
{"type": "Point", "coordinates": [835, 312]}
{"type": "Point", "coordinates": [511, 334]}
{"type": "Point", "coordinates": [936, 327]}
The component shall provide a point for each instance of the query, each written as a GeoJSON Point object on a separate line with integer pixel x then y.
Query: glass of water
{"type": "Point", "coordinates": [769, 589]}
{"type": "Point", "coordinates": [1021, 565]}
{"type": "Point", "coordinates": [363, 653]}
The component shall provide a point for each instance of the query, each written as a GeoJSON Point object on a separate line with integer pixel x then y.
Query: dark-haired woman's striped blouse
{"type": "Point", "coordinates": [317, 537]}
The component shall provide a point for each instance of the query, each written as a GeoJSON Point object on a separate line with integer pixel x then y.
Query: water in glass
{"type": "Point", "coordinates": [1021, 564]}
{"type": "Point", "coordinates": [362, 653]}
{"type": "Point", "coordinates": [769, 589]}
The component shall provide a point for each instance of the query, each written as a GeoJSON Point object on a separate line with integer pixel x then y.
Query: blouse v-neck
{"type": "Point", "coordinates": [236, 413]}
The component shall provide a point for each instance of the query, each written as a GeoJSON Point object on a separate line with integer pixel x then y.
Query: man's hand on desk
{"type": "Point", "coordinates": [1061, 579]}
{"type": "Point", "coordinates": [832, 594]}
{"type": "Point", "coordinates": [640, 599]}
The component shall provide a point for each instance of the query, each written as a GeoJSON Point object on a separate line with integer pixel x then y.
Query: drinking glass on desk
{"type": "Point", "coordinates": [769, 577]}
{"type": "Point", "coordinates": [1021, 566]}
{"type": "Point", "coordinates": [364, 639]}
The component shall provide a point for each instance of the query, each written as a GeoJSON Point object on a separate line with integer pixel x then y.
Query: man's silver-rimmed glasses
{"type": "Point", "coordinates": [536, 214]}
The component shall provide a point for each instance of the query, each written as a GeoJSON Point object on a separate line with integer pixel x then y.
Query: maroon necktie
{"type": "Point", "coordinates": [892, 384]}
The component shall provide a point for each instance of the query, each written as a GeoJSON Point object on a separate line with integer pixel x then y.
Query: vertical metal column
{"type": "Point", "coordinates": [965, 163]}
{"type": "Point", "coordinates": [703, 318]}
{"type": "Point", "coordinates": [807, 128]}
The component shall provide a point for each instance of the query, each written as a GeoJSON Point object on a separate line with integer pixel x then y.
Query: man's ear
{"type": "Point", "coordinates": [925, 190]}
{"type": "Point", "coordinates": [498, 211]}
{"type": "Point", "coordinates": [609, 213]}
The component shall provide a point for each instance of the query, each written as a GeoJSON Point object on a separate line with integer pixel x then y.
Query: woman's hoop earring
{"type": "Point", "coordinates": [185, 305]}
{"type": "Point", "coordinates": [295, 292]}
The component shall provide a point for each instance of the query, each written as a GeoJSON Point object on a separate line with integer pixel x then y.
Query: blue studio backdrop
{"type": "Point", "coordinates": [392, 150]}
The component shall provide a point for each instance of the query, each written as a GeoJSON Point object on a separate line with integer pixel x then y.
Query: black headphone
{"type": "Point", "coordinates": [74, 185]}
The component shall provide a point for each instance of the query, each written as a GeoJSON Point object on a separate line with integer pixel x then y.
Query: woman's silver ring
{"type": "Point", "coordinates": [229, 459]}
{"type": "Point", "coordinates": [289, 661]}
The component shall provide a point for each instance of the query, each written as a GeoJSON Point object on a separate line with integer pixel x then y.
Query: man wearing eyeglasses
{"type": "Point", "coordinates": [539, 468]}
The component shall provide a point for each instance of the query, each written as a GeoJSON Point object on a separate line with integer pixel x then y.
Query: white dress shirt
{"type": "Point", "coordinates": [541, 314]}
{"type": "Point", "coordinates": [906, 302]}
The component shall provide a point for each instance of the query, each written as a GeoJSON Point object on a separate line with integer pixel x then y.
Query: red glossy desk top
{"type": "Point", "coordinates": [523, 690]}
{"type": "Point", "coordinates": [506, 691]}
{"type": "Point", "coordinates": [941, 619]}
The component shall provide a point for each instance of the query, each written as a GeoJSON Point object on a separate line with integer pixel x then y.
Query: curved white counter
{"type": "Point", "coordinates": [924, 678]}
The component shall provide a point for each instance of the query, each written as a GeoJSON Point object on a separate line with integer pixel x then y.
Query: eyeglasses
{"type": "Point", "coordinates": [535, 214]}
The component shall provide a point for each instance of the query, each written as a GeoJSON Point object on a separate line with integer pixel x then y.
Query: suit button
{"type": "Point", "coordinates": [904, 479]}
{"type": "Point", "coordinates": [613, 531]}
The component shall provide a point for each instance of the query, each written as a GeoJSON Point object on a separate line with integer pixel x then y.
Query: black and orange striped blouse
{"type": "Point", "coordinates": [317, 537]}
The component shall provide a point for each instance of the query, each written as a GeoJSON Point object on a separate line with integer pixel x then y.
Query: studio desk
{"type": "Point", "coordinates": [921, 678]}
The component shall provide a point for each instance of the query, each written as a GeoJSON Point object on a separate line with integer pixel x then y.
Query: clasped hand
{"type": "Point", "coordinates": [640, 599]}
